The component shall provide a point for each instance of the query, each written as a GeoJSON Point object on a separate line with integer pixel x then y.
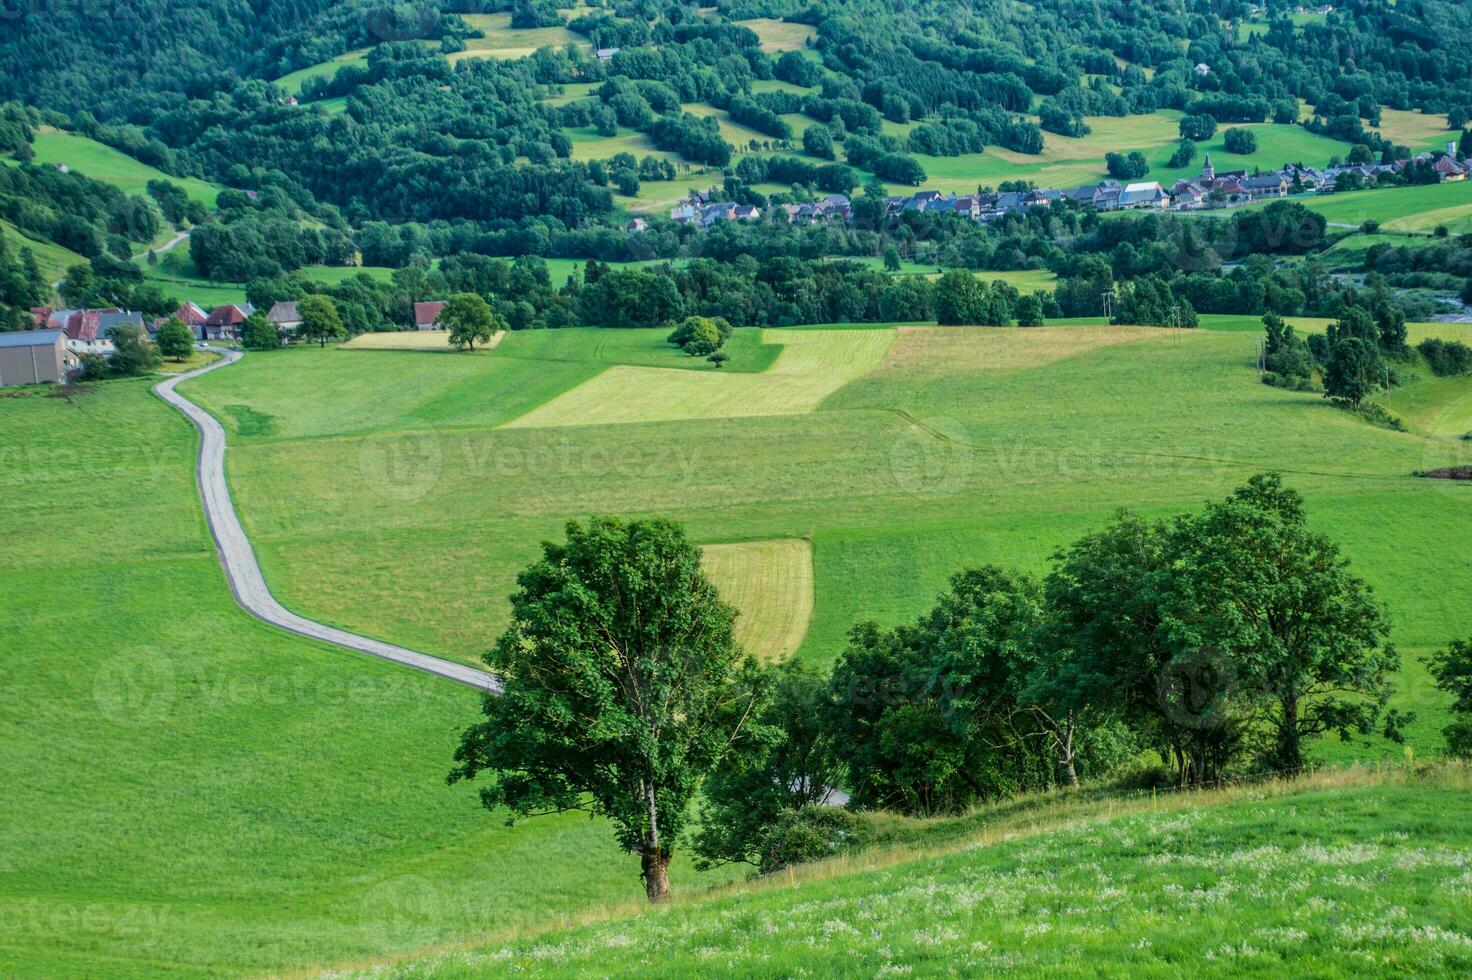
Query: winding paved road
{"type": "Point", "coordinates": [242, 571]}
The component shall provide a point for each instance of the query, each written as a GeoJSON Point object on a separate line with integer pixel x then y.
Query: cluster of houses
{"type": "Point", "coordinates": [1211, 188]}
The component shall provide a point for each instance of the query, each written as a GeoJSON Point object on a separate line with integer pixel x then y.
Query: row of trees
{"type": "Point", "coordinates": [1225, 641]}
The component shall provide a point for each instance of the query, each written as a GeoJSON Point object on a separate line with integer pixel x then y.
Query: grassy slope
{"type": "Point", "coordinates": [1020, 441]}
{"type": "Point", "coordinates": [1345, 875]}
{"type": "Point", "coordinates": [292, 81]}
{"type": "Point", "coordinates": [102, 162]}
{"type": "Point", "coordinates": [771, 584]}
{"type": "Point", "coordinates": [52, 259]}
{"type": "Point", "coordinates": [192, 792]}
{"type": "Point", "coordinates": [1405, 209]}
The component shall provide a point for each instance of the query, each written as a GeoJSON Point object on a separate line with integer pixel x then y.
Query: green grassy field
{"type": "Point", "coordinates": [187, 284]}
{"type": "Point", "coordinates": [101, 162]}
{"type": "Point", "coordinates": [503, 41]}
{"type": "Point", "coordinates": [292, 81]}
{"type": "Point", "coordinates": [778, 36]}
{"type": "Point", "coordinates": [811, 366]}
{"type": "Point", "coordinates": [1345, 876]}
{"type": "Point", "coordinates": [192, 793]}
{"type": "Point", "coordinates": [924, 450]}
{"type": "Point", "coordinates": [1404, 209]}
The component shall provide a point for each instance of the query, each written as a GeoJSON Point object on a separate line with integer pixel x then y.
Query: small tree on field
{"type": "Point", "coordinates": [891, 259]}
{"type": "Point", "coordinates": [132, 353]}
{"type": "Point", "coordinates": [1353, 372]}
{"type": "Point", "coordinates": [1242, 142]}
{"type": "Point", "coordinates": [1452, 669]}
{"type": "Point", "coordinates": [258, 333]}
{"type": "Point", "coordinates": [719, 359]}
{"type": "Point", "coordinates": [1029, 311]}
{"type": "Point", "coordinates": [1278, 604]}
{"type": "Point", "coordinates": [624, 687]}
{"type": "Point", "coordinates": [469, 318]}
{"type": "Point", "coordinates": [174, 339]}
{"type": "Point", "coordinates": [320, 321]}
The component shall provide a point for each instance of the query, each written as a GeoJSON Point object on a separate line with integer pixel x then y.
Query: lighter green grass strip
{"type": "Point", "coordinates": [813, 365]}
{"type": "Point", "coordinates": [771, 584]}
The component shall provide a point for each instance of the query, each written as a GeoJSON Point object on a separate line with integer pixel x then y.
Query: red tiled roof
{"type": "Point", "coordinates": [427, 312]}
{"type": "Point", "coordinates": [82, 325]}
{"type": "Point", "coordinates": [225, 316]}
{"type": "Point", "coordinates": [191, 314]}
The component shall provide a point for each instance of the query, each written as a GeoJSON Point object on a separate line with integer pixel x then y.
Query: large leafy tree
{"type": "Point", "coordinates": [926, 716]}
{"type": "Point", "coordinates": [1110, 655]}
{"type": "Point", "coordinates": [1452, 669]}
{"type": "Point", "coordinates": [791, 766]}
{"type": "Point", "coordinates": [320, 319]}
{"type": "Point", "coordinates": [469, 319]}
{"type": "Point", "coordinates": [624, 687]}
{"type": "Point", "coordinates": [1250, 583]}
{"type": "Point", "coordinates": [174, 339]}
{"type": "Point", "coordinates": [1354, 371]}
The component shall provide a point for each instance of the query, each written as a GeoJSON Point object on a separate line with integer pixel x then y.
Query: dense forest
{"type": "Point", "coordinates": [426, 158]}
{"type": "Point", "coordinates": [422, 139]}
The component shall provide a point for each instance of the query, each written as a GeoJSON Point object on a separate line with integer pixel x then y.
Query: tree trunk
{"type": "Point", "coordinates": [1070, 774]}
{"type": "Point", "coordinates": [1289, 754]}
{"type": "Point", "coordinates": [656, 874]}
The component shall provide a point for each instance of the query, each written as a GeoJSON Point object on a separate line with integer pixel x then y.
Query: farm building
{"type": "Point", "coordinates": [284, 317]}
{"type": "Point", "coordinates": [426, 315]}
{"type": "Point", "coordinates": [223, 322]}
{"type": "Point", "coordinates": [29, 357]}
{"type": "Point", "coordinates": [1144, 195]}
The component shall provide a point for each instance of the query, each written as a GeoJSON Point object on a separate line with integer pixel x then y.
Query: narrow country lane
{"type": "Point", "coordinates": [239, 560]}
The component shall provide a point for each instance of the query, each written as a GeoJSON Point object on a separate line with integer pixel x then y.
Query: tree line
{"type": "Point", "coordinates": [1222, 642]}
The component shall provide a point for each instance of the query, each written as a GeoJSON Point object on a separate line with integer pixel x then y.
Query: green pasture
{"type": "Point", "coordinates": [51, 258]}
{"type": "Point", "coordinates": [292, 82]}
{"type": "Point", "coordinates": [1416, 209]}
{"type": "Point", "coordinates": [101, 162]}
{"type": "Point", "coordinates": [193, 793]}
{"type": "Point", "coordinates": [1334, 880]}
{"type": "Point", "coordinates": [933, 449]}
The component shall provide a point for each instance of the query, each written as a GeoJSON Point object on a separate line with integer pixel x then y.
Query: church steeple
{"type": "Point", "coordinates": [1207, 170]}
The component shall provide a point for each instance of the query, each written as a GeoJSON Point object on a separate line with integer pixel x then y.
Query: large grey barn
{"type": "Point", "coordinates": [29, 357]}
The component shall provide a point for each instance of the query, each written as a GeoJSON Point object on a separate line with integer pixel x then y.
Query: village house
{"type": "Point", "coordinates": [1144, 195]}
{"type": "Point", "coordinates": [192, 315]}
{"type": "Point", "coordinates": [90, 331]}
{"type": "Point", "coordinates": [223, 322]}
{"type": "Point", "coordinates": [29, 357]}
{"type": "Point", "coordinates": [1265, 186]}
{"type": "Point", "coordinates": [1187, 194]}
{"type": "Point", "coordinates": [285, 317]}
{"type": "Point", "coordinates": [426, 315]}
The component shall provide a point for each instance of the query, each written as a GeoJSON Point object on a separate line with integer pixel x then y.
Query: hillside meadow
{"type": "Point", "coordinates": [101, 162]}
{"type": "Point", "coordinates": [1343, 875]}
{"type": "Point", "coordinates": [937, 449]}
{"type": "Point", "coordinates": [193, 793]}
